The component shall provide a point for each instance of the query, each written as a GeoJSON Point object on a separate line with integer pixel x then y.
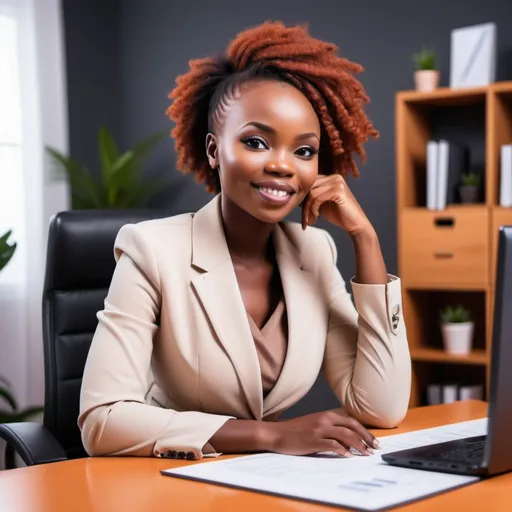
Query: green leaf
{"type": "Point", "coordinates": [425, 59]}
{"type": "Point", "coordinates": [120, 172]}
{"type": "Point", "coordinates": [19, 416]}
{"type": "Point", "coordinates": [9, 398]}
{"type": "Point", "coordinates": [6, 249]}
{"type": "Point", "coordinates": [142, 149]}
{"type": "Point", "coordinates": [108, 153]}
{"type": "Point", "coordinates": [120, 184]}
{"type": "Point", "coordinates": [84, 188]}
{"type": "Point", "coordinates": [137, 195]}
{"type": "Point", "coordinates": [458, 314]}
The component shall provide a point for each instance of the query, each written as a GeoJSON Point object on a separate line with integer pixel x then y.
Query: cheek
{"type": "Point", "coordinates": [236, 162]}
{"type": "Point", "coordinates": [308, 173]}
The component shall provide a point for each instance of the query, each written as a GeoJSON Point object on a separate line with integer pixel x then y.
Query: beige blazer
{"type": "Point", "coordinates": [173, 358]}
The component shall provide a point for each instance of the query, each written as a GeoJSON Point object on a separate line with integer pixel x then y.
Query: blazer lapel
{"type": "Point", "coordinates": [306, 318]}
{"type": "Point", "coordinates": [218, 291]}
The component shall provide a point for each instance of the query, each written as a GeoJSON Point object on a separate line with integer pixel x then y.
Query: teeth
{"type": "Point", "coordinates": [274, 192]}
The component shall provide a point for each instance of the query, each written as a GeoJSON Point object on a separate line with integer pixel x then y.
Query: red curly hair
{"type": "Point", "coordinates": [272, 51]}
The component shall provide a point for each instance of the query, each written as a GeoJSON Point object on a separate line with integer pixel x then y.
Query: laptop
{"type": "Point", "coordinates": [490, 454]}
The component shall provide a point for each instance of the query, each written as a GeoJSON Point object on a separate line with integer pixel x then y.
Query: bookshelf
{"type": "Point", "coordinates": [449, 256]}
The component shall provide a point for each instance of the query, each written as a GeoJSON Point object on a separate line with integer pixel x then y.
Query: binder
{"type": "Point", "coordinates": [452, 162]}
{"type": "Point", "coordinates": [506, 175]}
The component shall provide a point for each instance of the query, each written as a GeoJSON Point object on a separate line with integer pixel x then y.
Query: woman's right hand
{"type": "Point", "coordinates": [327, 431]}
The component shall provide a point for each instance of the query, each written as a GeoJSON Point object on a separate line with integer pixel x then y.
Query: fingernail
{"type": "Point", "coordinates": [376, 443]}
{"type": "Point", "coordinates": [349, 454]}
{"type": "Point", "coordinates": [370, 451]}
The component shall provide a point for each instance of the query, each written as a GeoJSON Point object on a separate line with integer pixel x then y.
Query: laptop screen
{"type": "Point", "coordinates": [499, 446]}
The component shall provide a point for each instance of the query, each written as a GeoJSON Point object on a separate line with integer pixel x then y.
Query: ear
{"type": "Point", "coordinates": [212, 150]}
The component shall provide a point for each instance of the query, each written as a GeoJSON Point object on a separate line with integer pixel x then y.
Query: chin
{"type": "Point", "coordinates": [271, 214]}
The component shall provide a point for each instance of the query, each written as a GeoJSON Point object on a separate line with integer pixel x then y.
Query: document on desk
{"type": "Point", "coordinates": [364, 483]}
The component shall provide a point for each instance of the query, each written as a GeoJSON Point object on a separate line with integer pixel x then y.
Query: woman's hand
{"type": "Point", "coordinates": [331, 198]}
{"type": "Point", "coordinates": [329, 431]}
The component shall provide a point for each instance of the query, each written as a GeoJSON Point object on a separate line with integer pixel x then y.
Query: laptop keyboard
{"type": "Point", "coordinates": [470, 452]}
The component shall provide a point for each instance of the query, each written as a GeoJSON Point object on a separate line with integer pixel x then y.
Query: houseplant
{"type": "Point", "coordinates": [12, 413]}
{"type": "Point", "coordinates": [120, 184]}
{"type": "Point", "coordinates": [469, 187]}
{"type": "Point", "coordinates": [457, 329]}
{"type": "Point", "coordinates": [426, 76]}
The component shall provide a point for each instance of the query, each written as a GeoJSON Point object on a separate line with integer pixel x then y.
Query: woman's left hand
{"type": "Point", "coordinates": [331, 198]}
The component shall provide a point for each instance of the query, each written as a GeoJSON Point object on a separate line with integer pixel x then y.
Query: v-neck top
{"type": "Point", "coordinates": [271, 343]}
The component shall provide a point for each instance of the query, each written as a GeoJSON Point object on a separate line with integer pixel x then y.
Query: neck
{"type": "Point", "coordinates": [247, 238]}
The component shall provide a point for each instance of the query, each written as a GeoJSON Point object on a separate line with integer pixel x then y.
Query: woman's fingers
{"type": "Point", "coordinates": [348, 438]}
{"type": "Point", "coordinates": [324, 194]}
{"type": "Point", "coordinates": [330, 445]}
{"type": "Point", "coordinates": [341, 419]}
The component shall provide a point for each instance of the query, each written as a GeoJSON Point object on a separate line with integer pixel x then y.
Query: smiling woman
{"type": "Point", "coordinates": [217, 322]}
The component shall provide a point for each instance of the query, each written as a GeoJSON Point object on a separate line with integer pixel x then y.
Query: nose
{"type": "Point", "coordinates": [279, 167]}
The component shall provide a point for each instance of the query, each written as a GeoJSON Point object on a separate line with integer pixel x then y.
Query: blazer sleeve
{"type": "Point", "coordinates": [114, 417]}
{"type": "Point", "coordinates": [367, 362]}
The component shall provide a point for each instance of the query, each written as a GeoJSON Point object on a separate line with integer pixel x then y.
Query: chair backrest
{"type": "Point", "coordinates": [79, 267]}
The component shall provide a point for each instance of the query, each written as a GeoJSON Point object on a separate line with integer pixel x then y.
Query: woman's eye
{"type": "Point", "coordinates": [306, 152]}
{"type": "Point", "coordinates": [255, 143]}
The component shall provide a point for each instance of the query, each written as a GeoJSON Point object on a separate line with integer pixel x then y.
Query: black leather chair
{"type": "Point", "coordinates": [79, 268]}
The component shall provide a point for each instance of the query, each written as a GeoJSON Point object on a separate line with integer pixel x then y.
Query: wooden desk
{"type": "Point", "coordinates": [135, 484]}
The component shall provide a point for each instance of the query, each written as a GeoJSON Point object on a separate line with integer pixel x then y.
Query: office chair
{"type": "Point", "coordinates": [79, 267]}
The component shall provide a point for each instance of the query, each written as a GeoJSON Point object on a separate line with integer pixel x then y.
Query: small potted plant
{"type": "Point", "coordinates": [468, 189]}
{"type": "Point", "coordinates": [457, 329]}
{"type": "Point", "coordinates": [426, 76]}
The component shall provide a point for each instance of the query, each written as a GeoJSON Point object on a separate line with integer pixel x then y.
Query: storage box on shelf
{"type": "Point", "coordinates": [449, 256]}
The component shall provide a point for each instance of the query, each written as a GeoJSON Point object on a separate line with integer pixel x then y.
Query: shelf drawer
{"type": "Point", "coordinates": [444, 247]}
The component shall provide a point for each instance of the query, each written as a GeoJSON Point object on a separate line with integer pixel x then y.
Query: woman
{"type": "Point", "coordinates": [216, 322]}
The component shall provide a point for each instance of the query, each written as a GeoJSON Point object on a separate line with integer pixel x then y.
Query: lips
{"type": "Point", "coordinates": [274, 192]}
{"type": "Point", "coordinates": [278, 186]}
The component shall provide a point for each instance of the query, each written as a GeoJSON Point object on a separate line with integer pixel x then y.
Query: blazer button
{"type": "Point", "coordinates": [191, 455]}
{"type": "Point", "coordinates": [182, 455]}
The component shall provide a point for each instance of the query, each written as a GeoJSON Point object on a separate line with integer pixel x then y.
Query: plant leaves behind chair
{"type": "Point", "coordinates": [14, 414]}
{"type": "Point", "coordinates": [120, 185]}
{"type": "Point", "coordinates": [6, 249]}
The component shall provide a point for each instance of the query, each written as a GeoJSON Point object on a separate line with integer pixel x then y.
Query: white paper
{"type": "Point", "coordinates": [365, 483]}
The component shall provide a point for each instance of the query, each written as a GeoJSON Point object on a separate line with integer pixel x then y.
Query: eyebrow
{"type": "Point", "coordinates": [266, 128]}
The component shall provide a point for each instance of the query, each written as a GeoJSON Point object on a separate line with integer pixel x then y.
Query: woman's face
{"type": "Point", "coordinates": [267, 149]}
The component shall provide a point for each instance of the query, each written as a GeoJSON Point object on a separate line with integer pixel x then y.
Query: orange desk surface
{"type": "Point", "coordinates": [134, 484]}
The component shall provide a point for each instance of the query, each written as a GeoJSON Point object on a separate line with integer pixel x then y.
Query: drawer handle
{"type": "Point", "coordinates": [443, 255]}
{"type": "Point", "coordinates": [444, 222]}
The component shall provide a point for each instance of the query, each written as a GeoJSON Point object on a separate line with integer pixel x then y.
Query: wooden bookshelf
{"type": "Point", "coordinates": [449, 256]}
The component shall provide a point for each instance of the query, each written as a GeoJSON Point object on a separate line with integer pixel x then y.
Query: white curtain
{"type": "Point", "coordinates": [33, 114]}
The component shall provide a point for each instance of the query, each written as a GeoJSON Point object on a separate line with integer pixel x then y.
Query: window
{"type": "Point", "coordinates": [12, 207]}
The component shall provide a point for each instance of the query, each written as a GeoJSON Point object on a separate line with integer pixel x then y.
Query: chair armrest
{"type": "Point", "coordinates": [32, 441]}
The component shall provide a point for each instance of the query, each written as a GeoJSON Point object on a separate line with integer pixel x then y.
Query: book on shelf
{"type": "Point", "coordinates": [446, 161]}
{"type": "Point", "coordinates": [449, 392]}
{"type": "Point", "coordinates": [506, 175]}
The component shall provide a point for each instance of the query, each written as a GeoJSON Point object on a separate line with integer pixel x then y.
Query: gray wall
{"type": "Point", "coordinates": [91, 35]}
{"type": "Point", "coordinates": [157, 39]}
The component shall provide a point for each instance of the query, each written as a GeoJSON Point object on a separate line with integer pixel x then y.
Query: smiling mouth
{"type": "Point", "coordinates": [274, 195]}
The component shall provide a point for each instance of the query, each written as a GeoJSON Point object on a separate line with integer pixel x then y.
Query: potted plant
{"type": "Point", "coordinates": [120, 184]}
{"type": "Point", "coordinates": [457, 329]}
{"type": "Point", "coordinates": [469, 187]}
{"type": "Point", "coordinates": [426, 76]}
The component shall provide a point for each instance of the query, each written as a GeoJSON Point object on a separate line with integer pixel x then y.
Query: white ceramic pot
{"type": "Point", "coordinates": [426, 80]}
{"type": "Point", "coordinates": [458, 337]}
